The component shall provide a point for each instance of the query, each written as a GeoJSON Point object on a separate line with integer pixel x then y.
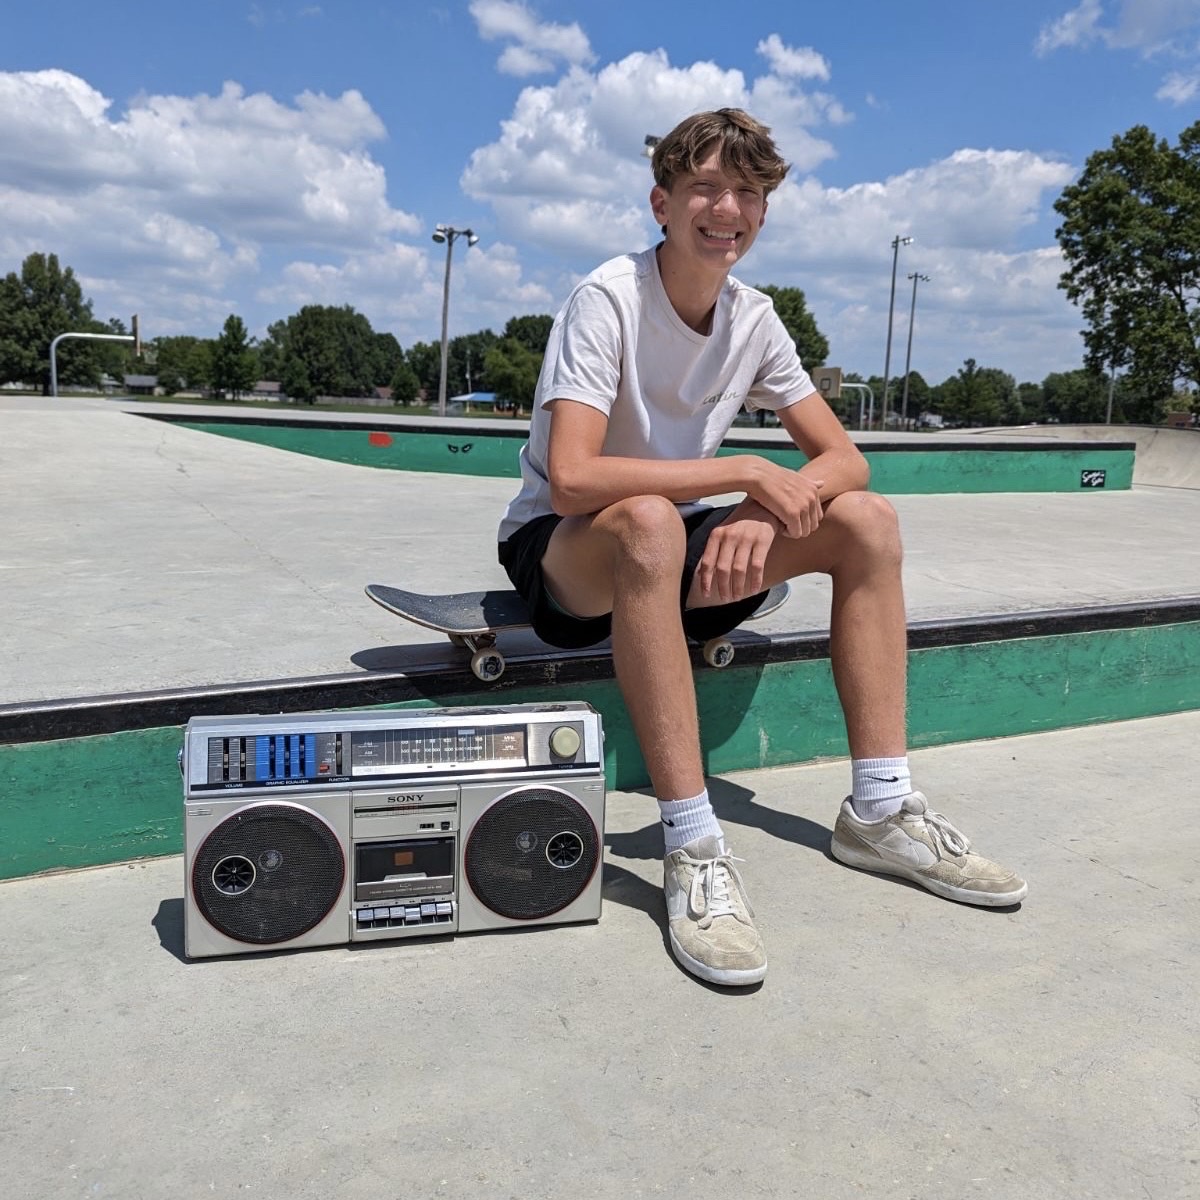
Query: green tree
{"type": "Point", "coordinates": [406, 387]}
{"type": "Point", "coordinates": [170, 380]}
{"type": "Point", "coordinates": [977, 396]}
{"type": "Point", "coordinates": [37, 305]}
{"type": "Point", "coordinates": [513, 370]}
{"type": "Point", "coordinates": [918, 397]}
{"type": "Point", "coordinates": [296, 384]}
{"type": "Point", "coordinates": [199, 367]}
{"type": "Point", "coordinates": [1075, 397]}
{"type": "Point", "coordinates": [1131, 239]}
{"type": "Point", "coordinates": [466, 363]}
{"type": "Point", "coordinates": [387, 358]}
{"type": "Point", "coordinates": [1033, 401]}
{"type": "Point", "coordinates": [180, 358]}
{"type": "Point", "coordinates": [338, 347]}
{"type": "Point", "coordinates": [234, 365]}
{"type": "Point", "coordinates": [425, 358]}
{"type": "Point", "coordinates": [811, 344]}
{"type": "Point", "coordinates": [533, 332]}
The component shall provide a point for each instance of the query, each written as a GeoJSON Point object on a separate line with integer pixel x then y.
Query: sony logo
{"type": "Point", "coordinates": [407, 798]}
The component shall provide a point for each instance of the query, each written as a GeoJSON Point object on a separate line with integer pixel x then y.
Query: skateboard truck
{"type": "Point", "coordinates": [487, 663]}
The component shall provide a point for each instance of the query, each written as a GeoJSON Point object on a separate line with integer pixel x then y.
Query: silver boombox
{"type": "Point", "coordinates": [328, 828]}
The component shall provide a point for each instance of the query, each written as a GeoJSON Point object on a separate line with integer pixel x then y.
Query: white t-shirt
{"type": "Point", "coordinates": [669, 392]}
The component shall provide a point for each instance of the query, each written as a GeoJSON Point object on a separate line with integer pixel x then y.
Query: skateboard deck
{"type": "Point", "coordinates": [473, 619]}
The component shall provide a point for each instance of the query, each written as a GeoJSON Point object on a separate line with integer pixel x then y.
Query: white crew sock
{"type": "Point", "coordinates": [878, 787]}
{"type": "Point", "coordinates": [684, 821]}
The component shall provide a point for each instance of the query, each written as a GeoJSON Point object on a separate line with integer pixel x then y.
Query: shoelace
{"type": "Point", "coordinates": [710, 895]}
{"type": "Point", "coordinates": [945, 835]}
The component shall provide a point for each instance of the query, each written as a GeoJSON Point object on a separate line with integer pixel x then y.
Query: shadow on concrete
{"type": "Point", "coordinates": [169, 923]}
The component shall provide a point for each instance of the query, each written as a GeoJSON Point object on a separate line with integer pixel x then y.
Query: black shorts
{"type": "Point", "coordinates": [521, 556]}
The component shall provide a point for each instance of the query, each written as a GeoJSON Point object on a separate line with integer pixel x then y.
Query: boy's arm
{"type": "Point", "coordinates": [583, 481]}
{"type": "Point", "coordinates": [736, 553]}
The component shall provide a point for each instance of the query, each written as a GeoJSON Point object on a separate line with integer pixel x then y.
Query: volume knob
{"type": "Point", "coordinates": [564, 742]}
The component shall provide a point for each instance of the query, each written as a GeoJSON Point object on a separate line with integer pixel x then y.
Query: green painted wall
{"type": "Point", "coordinates": [104, 799]}
{"type": "Point", "coordinates": [451, 453]}
{"type": "Point", "coordinates": [923, 472]}
{"type": "Point", "coordinates": [895, 472]}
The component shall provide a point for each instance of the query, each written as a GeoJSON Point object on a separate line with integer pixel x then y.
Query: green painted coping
{"type": "Point", "coordinates": [87, 801]}
{"type": "Point", "coordinates": [894, 472]}
{"type": "Point", "coordinates": [924, 472]}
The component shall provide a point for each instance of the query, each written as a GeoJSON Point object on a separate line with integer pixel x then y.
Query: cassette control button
{"type": "Point", "coordinates": [428, 911]}
{"type": "Point", "coordinates": [412, 916]}
{"type": "Point", "coordinates": [445, 909]}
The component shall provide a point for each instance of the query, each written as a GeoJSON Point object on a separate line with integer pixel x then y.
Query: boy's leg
{"type": "Point", "coordinates": [884, 826]}
{"type": "Point", "coordinates": [628, 560]}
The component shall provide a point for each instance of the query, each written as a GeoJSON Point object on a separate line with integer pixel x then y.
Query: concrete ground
{"type": "Point", "coordinates": [136, 555]}
{"type": "Point", "coordinates": [901, 1046]}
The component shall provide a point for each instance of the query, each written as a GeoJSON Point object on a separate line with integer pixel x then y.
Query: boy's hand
{"type": "Point", "coordinates": [733, 561]}
{"type": "Point", "coordinates": [791, 496]}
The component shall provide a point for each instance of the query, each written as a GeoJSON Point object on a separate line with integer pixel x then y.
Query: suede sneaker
{"type": "Point", "coordinates": [711, 922]}
{"type": "Point", "coordinates": [919, 844]}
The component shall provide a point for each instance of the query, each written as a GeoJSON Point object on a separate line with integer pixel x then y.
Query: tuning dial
{"type": "Point", "coordinates": [564, 742]}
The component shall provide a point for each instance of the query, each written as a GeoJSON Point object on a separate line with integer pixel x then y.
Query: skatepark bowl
{"type": "Point", "coordinates": [901, 1045]}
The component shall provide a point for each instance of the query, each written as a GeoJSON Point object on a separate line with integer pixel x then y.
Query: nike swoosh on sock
{"type": "Point", "coordinates": [885, 778]}
{"type": "Point", "coordinates": [666, 822]}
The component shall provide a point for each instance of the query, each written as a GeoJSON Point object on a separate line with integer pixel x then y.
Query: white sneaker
{"type": "Point", "coordinates": [711, 922]}
{"type": "Point", "coordinates": [920, 844]}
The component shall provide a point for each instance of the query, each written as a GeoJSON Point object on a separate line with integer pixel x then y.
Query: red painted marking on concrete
{"type": "Point", "coordinates": [379, 439]}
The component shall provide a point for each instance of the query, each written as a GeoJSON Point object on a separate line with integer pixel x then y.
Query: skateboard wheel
{"type": "Point", "coordinates": [718, 652]}
{"type": "Point", "coordinates": [487, 665]}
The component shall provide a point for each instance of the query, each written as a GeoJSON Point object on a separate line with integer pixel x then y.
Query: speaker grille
{"type": "Point", "coordinates": [531, 853]}
{"type": "Point", "coordinates": [268, 873]}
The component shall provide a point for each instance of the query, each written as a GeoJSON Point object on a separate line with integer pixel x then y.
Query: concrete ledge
{"type": "Point", "coordinates": [94, 781]}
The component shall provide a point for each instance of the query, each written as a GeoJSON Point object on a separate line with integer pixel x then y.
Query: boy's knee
{"type": "Point", "coordinates": [646, 529]}
{"type": "Point", "coordinates": [869, 520]}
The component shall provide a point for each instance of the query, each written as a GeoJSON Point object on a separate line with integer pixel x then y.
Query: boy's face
{"type": "Point", "coordinates": [710, 216]}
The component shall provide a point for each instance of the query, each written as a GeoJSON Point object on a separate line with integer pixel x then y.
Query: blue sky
{"type": "Point", "coordinates": [195, 160]}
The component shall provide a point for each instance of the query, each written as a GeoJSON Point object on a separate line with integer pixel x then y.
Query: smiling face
{"type": "Point", "coordinates": [711, 215]}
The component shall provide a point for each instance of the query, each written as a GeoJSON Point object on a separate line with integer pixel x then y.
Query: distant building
{"type": "Point", "coordinates": [141, 385]}
{"type": "Point", "coordinates": [266, 389]}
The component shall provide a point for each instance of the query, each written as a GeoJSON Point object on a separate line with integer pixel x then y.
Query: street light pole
{"type": "Point", "coordinates": [915, 276]}
{"type": "Point", "coordinates": [897, 242]}
{"type": "Point", "coordinates": [447, 234]}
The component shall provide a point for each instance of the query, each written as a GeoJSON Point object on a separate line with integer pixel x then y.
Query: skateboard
{"type": "Point", "coordinates": [473, 619]}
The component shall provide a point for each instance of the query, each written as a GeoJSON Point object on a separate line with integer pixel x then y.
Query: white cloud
{"type": "Point", "coordinates": [565, 177]}
{"type": "Point", "coordinates": [1178, 87]}
{"type": "Point", "coordinates": [800, 63]}
{"type": "Point", "coordinates": [1079, 27]}
{"type": "Point", "coordinates": [185, 195]}
{"type": "Point", "coordinates": [400, 288]}
{"type": "Point", "coordinates": [989, 297]}
{"type": "Point", "coordinates": [1150, 27]}
{"type": "Point", "coordinates": [539, 45]}
{"type": "Point", "coordinates": [578, 139]}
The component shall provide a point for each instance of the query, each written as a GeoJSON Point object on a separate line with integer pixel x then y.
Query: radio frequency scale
{"type": "Point", "coordinates": [328, 828]}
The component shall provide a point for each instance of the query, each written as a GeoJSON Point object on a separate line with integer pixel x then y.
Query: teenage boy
{"type": "Point", "coordinates": [647, 365]}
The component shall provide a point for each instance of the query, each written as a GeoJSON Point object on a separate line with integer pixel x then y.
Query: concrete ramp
{"type": "Point", "coordinates": [1164, 457]}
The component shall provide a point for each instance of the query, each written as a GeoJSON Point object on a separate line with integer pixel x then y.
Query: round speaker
{"type": "Point", "coordinates": [268, 873]}
{"type": "Point", "coordinates": [531, 853]}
